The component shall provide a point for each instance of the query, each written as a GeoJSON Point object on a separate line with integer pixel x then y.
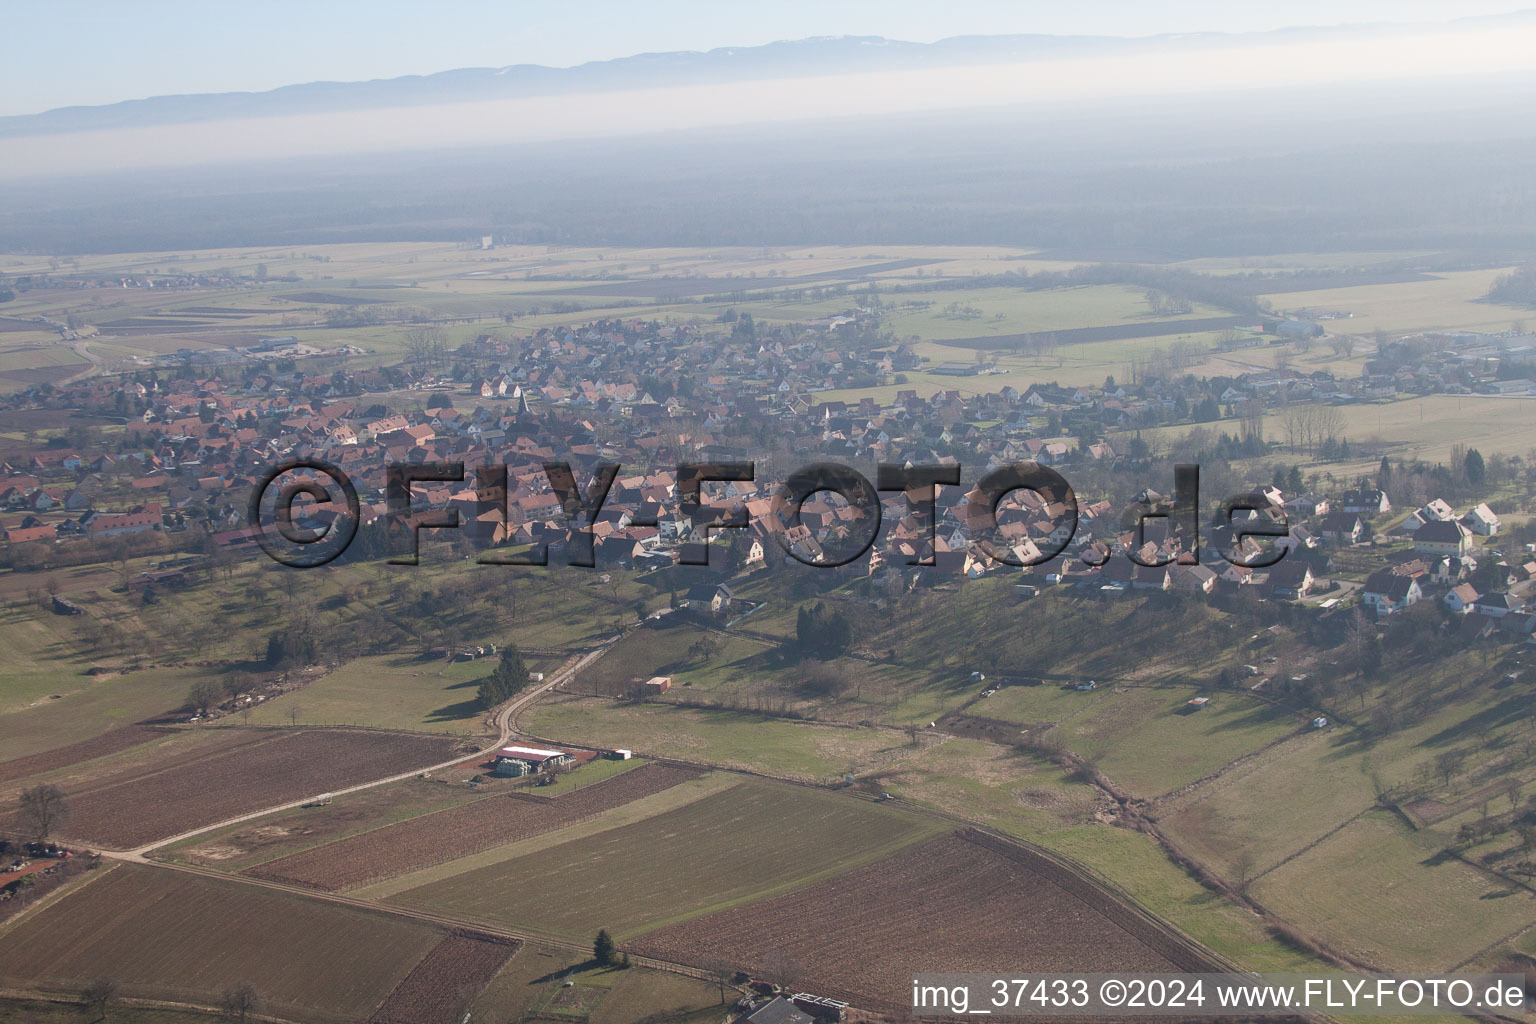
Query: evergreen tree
{"type": "Point", "coordinates": [508, 679]}
{"type": "Point", "coordinates": [1475, 468]}
{"type": "Point", "coordinates": [823, 633]}
{"type": "Point", "coordinates": [602, 948]}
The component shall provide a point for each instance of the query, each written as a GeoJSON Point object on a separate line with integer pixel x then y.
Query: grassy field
{"type": "Point", "coordinates": [998, 311]}
{"type": "Point", "coordinates": [1146, 740]}
{"type": "Point", "coordinates": [106, 702]}
{"type": "Point", "coordinates": [536, 975]}
{"type": "Point", "coordinates": [712, 853]}
{"type": "Point", "coordinates": [1133, 863]}
{"type": "Point", "coordinates": [1426, 427]}
{"type": "Point", "coordinates": [1296, 793]}
{"type": "Point", "coordinates": [732, 739]}
{"type": "Point", "coordinates": [40, 654]}
{"type": "Point", "coordinates": [168, 935]}
{"type": "Point", "coordinates": [47, 1011]}
{"type": "Point", "coordinates": [1379, 892]}
{"type": "Point", "coordinates": [387, 692]}
{"type": "Point", "coordinates": [1450, 301]}
{"type": "Point", "coordinates": [650, 652]}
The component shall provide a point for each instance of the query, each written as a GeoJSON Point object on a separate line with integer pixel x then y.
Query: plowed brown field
{"type": "Point", "coordinates": [438, 990]}
{"type": "Point", "coordinates": [157, 802]}
{"type": "Point", "coordinates": [459, 831]}
{"type": "Point", "coordinates": [963, 902]}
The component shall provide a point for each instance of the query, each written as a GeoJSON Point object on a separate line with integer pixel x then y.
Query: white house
{"type": "Point", "coordinates": [1442, 538]}
{"type": "Point", "coordinates": [1387, 592]}
{"type": "Point", "coordinates": [1481, 521]}
{"type": "Point", "coordinates": [1461, 598]}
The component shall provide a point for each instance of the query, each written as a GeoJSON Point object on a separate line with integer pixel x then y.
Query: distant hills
{"type": "Point", "coordinates": [789, 59]}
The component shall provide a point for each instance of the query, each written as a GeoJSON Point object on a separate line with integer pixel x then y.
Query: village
{"type": "Point", "coordinates": [177, 475]}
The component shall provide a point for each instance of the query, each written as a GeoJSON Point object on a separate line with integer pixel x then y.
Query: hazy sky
{"type": "Point", "coordinates": [69, 52]}
{"type": "Point", "coordinates": [1438, 51]}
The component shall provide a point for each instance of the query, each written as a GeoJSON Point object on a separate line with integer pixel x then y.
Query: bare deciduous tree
{"type": "Point", "coordinates": [43, 809]}
{"type": "Point", "coordinates": [1243, 870]}
{"type": "Point", "coordinates": [98, 997]}
{"type": "Point", "coordinates": [240, 1002]}
{"type": "Point", "coordinates": [203, 696]}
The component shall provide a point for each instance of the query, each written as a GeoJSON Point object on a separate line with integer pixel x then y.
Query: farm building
{"type": "Point", "coordinates": [777, 1010]}
{"type": "Point", "coordinates": [518, 761]}
{"type": "Point", "coordinates": [656, 685]}
{"type": "Point", "coordinates": [819, 1007]}
{"type": "Point", "coordinates": [166, 578]}
{"type": "Point", "coordinates": [709, 599]}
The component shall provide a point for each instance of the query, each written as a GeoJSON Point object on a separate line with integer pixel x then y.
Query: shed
{"type": "Point", "coordinates": [532, 759]}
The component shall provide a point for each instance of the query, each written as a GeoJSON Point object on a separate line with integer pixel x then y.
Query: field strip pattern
{"type": "Point", "coordinates": [749, 842]}
{"type": "Point", "coordinates": [435, 990]}
{"type": "Point", "coordinates": [111, 742]}
{"type": "Point", "coordinates": [441, 836]}
{"type": "Point", "coordinates": [172, 935]}
{"type": "Point", "coordinates": [965, 901]}
{"type": "Point", "coordinates": [1234, 772]}
{"type": "Point", "coordinates": [625, 814]}
{"type": "Point", "coordinates": [161, 803]}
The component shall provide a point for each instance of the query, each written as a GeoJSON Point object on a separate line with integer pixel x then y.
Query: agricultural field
{"type": "Point", "coordinates": [634, 811]}
{"type": "Point", "coordinates": [636, 995]}
{"type": "Point", "coordinates": [430, 839]}
{"type": "Point", "coordinates": [1148, 741]}
{"type": "Point", "coordinates": [724, 849]}
{"type": "Point", "coordinates": [386, 692]}
{"type": "Point", "coordinates": [989, 312]}
{"type": "Point", "coordinates": [1447, 301]}
{"type": "Point", "coordinates": [240, 846]}
{"type": "Point", "coordinates": [108, 743]}
{"type": "Point", "coordinates": [61, 1010]}
{"type": "Point", "coordinates": [158, 804]}
{"type": "Point", "coordinates": [1132, 863]}
{"type": "Point", "coordinates": [31, 357]}
{"type": "Point", "coordinates": [444, 984]}
{"type": "Point", "coordinates": [961, 902]}
{"type": "Point", "coordinates": [165, 934]}
{"type": "Point", "coordinates": [991, 784]}
{"type": "Point", "coordinates": [1427, 427]}
{"type": "Point", "coordinates": [732, 739]}
{"type": "Point", "coordinates": [1388, 896]}
{"type": "Point", "coordinates": [74, 770]}
{"type": "Point", "coordinates": [103, 704]}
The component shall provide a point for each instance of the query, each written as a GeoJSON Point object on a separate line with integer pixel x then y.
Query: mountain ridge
{"type": "Point", "coordinates": [818, 55]}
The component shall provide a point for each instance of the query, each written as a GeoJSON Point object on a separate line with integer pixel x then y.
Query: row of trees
{"type": "Point", "coordinates": [1309, 427]}
{"type": "Point", "coordinates": [102, 996]}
